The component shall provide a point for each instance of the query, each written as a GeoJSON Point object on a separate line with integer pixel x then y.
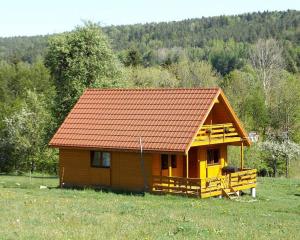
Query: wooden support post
{"type": "Point", "coordinates": [169, 166]}
{"type": "Point", "coordinates": [242, 156]}
{"type": "Point", "coordinates": [160, 175]}
{"type": "Point", "coordinates": [169, 171]}
{"type": "Point", "coordinates": [187, 165]}
{"type": "Point", "coordinates": [187, 172]}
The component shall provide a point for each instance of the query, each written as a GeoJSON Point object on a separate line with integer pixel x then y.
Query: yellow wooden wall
{"type": "Point", "coordinates": [75, 168]}
{"type": "Point", "coordinates": [179, 172]}
{"type": "Point", "coordinates": [125, 172]}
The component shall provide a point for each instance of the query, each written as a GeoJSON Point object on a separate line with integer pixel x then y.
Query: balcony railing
{"type": "Point", "coordinates": [203, 188]}
{"type": "Point", "coordinates": [216, 133]}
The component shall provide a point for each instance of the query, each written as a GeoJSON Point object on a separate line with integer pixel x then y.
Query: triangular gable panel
{"type": "Point", "coordinates": [237, 123]}
{"type": "Point", "coordinates": [221, 112]}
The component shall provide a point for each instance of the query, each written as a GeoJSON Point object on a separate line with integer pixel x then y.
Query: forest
{"type": "Point", "coordinates": [254, 58]}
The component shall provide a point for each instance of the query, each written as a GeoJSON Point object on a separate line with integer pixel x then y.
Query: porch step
{"type": "Point", "coordinates": [230, 193]}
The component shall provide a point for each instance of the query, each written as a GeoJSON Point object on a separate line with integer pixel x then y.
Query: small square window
{"type": "Point", "coordinates": [164, 161]}
{"type": "Point", "coordinates": [173, 161]}
{"type": "Point", "coordinates": [100, 159]}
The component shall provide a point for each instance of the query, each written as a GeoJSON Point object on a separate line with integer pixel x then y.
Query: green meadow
{"type": "Point", "coordinates": [28, 212]}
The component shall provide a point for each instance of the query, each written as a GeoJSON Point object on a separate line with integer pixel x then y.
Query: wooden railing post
{"type": "Point", "coordinates": [242, 156]}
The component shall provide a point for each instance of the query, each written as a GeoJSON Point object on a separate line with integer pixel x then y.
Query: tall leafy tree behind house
{"type": "Point", "coordinates": [80, 59]}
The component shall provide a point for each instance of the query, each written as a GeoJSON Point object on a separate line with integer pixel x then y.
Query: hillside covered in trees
{"type": "Point", "coordinates": [153, 40]}
{"type": "Point", "coordinates": [254, 57]}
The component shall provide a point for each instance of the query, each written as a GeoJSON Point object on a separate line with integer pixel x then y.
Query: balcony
{"type": "Point", "coordinates": [216, 133]}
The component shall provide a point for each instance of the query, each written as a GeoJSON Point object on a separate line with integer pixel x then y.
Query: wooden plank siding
{"type": "Point", "coordinates": [125, 172]}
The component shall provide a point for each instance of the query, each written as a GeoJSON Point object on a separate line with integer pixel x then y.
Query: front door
{"type": "Point", "coordinates": [213, 162]}
{"type": "Point", "coordinates": [193, 163]}
{"type": "Point", "coordinates": [164, 164]}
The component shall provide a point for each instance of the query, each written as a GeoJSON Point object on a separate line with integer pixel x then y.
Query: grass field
{"type": "Point", "coordinates": [28, 212]}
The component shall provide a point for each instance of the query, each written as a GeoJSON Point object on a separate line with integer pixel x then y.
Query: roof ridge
{"type": "Point", "coordinates": [151, 89]}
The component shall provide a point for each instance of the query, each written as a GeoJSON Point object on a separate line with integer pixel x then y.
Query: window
{"type": "Point", "coordinates": [164, 161]}
{"type": "Point", "coordinates": [173, 161]}
{"type": "Point", "coordinates": [213, 156]}
{"type": "Point", "coordinates": [100, 159]}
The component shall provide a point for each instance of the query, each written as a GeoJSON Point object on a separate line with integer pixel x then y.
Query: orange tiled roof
{"type": "Point", "coordinates": [165, 119]}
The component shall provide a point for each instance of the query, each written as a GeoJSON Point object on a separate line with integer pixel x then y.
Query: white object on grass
{"type": "Point", "coordinates": [253, 192]}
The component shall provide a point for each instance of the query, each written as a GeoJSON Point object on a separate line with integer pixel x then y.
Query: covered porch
{"type": "Point", "coordinates": [204, 170]}
{"type": "Point", "coordinates": [223, 185]}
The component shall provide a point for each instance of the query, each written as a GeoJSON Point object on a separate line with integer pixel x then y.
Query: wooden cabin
{"type": "Point", "coordinates": [157, 140]}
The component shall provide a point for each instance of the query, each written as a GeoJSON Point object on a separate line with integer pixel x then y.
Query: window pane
{"type": "Point", "coordinates": [216, 156]}
{"type": "Point", "coordinates": [164, 161]}
{"type": "Point", "coordinates": [209, 156]}
{"type": "Point", "coordinates": [105, 159]}
{"type": "Point", "coordinates": [96, 159]}
{"type": "Point", "coordinates": [173, 161]}
{"type": "Point", "coordinates": [213, 156]}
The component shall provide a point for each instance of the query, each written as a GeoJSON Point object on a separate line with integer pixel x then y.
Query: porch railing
{"type": "Point", "coordinates": [208, 187]}
{"type": "Point", "coordinates": [180, 185]}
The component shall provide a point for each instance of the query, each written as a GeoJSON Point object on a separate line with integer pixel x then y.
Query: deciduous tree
{"type": "Point", "coordinates": [80, 59]}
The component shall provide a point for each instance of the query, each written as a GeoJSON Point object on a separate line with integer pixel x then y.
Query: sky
{"type": "Point", "coordinates": [40, 17]}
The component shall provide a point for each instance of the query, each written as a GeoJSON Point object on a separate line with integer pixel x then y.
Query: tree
{"type": "Point", "coordinates": [195, 74]}
{"type": "Point", "coordinates": [133, 57]}
{"type": "Point", "coordinates": [246, 95]}
{"type": "Point", "coordinates": [266, 58]}
{"type": "Point", "coordinates": [24, 87]}
{"type": "Point", "coordinates": [26, 131]}
{"type": "Point", "coordinates": [277, 152]}
{"type": "Point", "coordinates": [226, 56]}
{"type": "Point", "coordinates": [285, 107]}
{"type": "Point", "coordinates": [16, 79]}
{"type": "Point", "coordinates": [152, 77]}
{"type": "Point", "coordinates": [80, 59]}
